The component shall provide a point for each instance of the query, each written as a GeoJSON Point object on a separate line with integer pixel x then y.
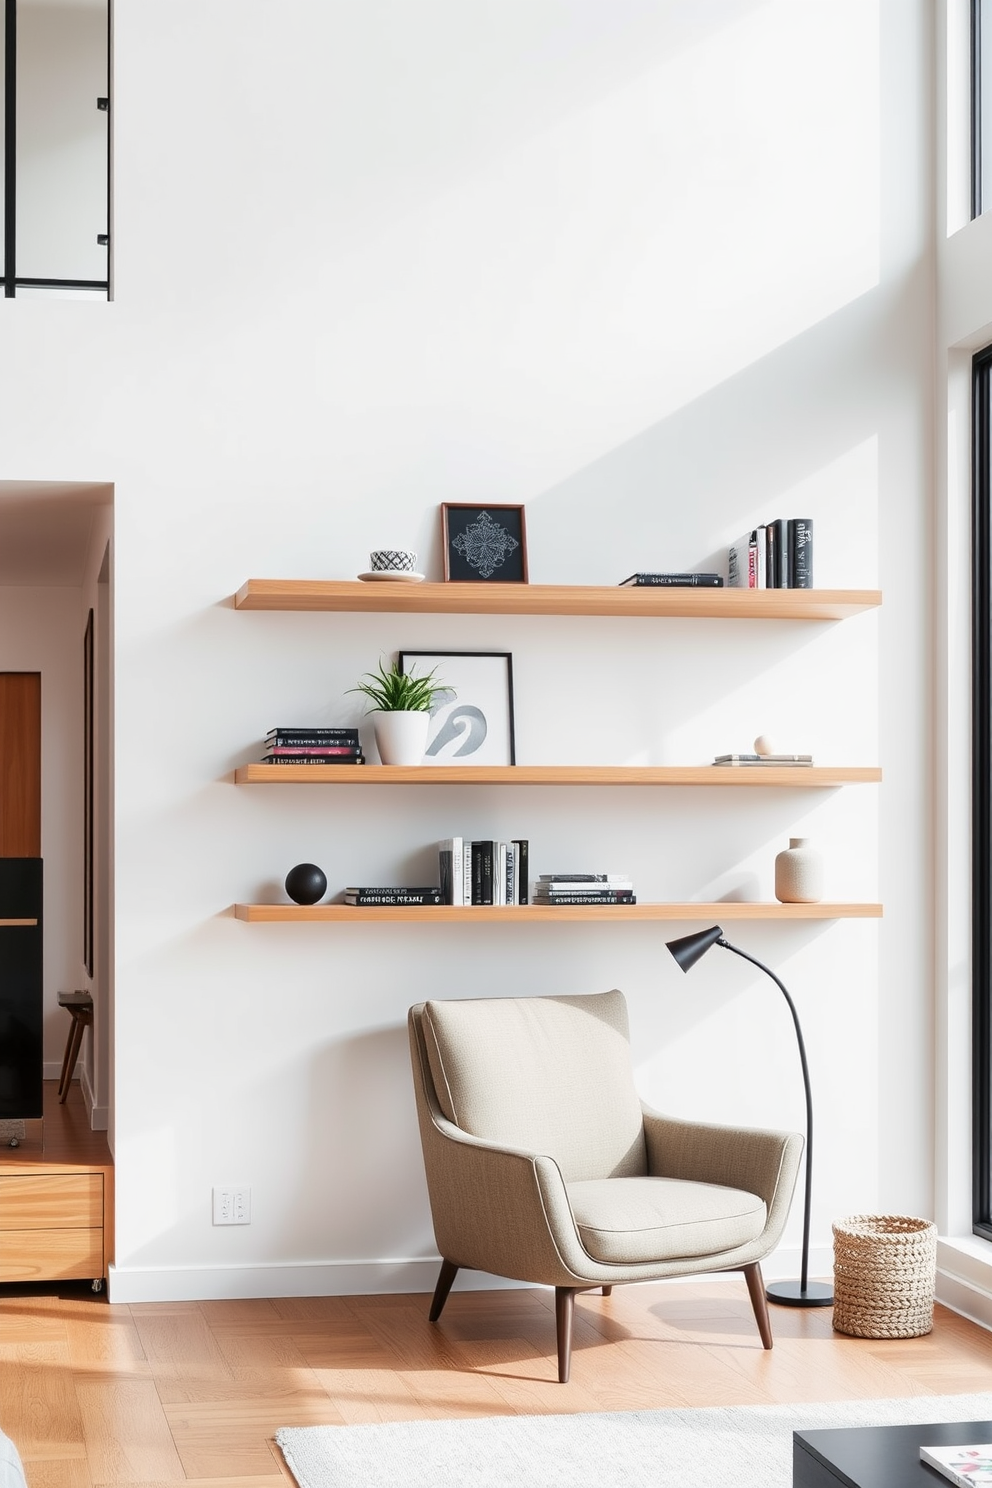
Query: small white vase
{"type": "Point", "coordinates": [401, 738]}
{"type": "Point", "coordinates": [799, 873]}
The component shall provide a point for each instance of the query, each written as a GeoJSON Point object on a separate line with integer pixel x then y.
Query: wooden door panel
{"type": "Point", "coordinates": [20, 764]}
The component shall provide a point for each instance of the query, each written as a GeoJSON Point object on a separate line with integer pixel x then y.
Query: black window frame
{"type": "Point", "coordinates": [10, 280]}
{"type": "Point", "coordinates": [981, 437]}
{"type": "Point", "coordinates": [976, 108]}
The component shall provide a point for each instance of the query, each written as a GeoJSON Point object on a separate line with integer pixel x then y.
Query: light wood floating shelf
{"type": "Point", "coordinates": [554, 599]}
{"type": "Point", "coordinates": [519, 914]}
{"type": "Point", "coordinates": [800, 777]}
{"type": "Point", "coordinates": [14, 924]}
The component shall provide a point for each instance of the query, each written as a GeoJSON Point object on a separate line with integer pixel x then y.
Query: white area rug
{"type": "Point", "coordinates": [741, 1447]}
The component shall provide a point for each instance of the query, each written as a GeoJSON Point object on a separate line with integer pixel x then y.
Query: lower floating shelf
{"type": "Point", "coordinates": [329, 914]}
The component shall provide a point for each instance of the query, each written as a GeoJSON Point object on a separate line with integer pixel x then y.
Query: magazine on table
{"type": "Point", "coordinates": [965, 1465]}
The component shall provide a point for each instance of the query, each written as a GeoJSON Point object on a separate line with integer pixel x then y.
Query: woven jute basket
{"type": "Point", "coordinates": [884, 1272]}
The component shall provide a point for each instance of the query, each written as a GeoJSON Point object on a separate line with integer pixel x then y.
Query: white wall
{"type": "Point", "coordinates": [656, 272]}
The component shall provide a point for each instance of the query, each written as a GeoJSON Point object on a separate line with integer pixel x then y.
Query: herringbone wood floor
{"type": "Point", "coordinates": [165, 1393]}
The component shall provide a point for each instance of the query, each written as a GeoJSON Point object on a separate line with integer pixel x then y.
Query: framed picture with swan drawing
{"type": "Point", "coordinates": [472, 720]}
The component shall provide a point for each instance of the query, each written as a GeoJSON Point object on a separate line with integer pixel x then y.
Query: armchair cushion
{"type": "Point", "coordinates": [546, 1074]}
{"type": "Point", "coordinates": [623, 1221]}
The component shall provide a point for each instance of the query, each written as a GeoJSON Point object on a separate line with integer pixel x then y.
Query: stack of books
{"type": "Point", "coordinates": [483, 871]}
{"type": "Point", "coordinates": [312, 746]}
{"type": "Point", "coordinates": [763, 759]}
{"type": "Point", "coordinates": [390, 894]}
{"type": "Point", "coordinates": [776, 555]}
{"type": "Point", "coordinates": [584, 888]}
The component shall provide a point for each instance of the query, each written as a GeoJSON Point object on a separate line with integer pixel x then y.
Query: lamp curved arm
{"type": "Point", "coordinates": [722, 941]}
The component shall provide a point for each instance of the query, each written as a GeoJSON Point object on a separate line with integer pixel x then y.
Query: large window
{"type": "Point", "coordinates": [982, 789]}
{"type": "Point", "coordinates": [56, 147]}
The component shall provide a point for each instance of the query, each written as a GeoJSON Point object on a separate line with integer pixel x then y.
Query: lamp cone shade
{"type": "Point", "coordinates": [690, 948]}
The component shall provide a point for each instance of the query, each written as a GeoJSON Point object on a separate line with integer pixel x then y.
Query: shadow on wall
{"type": "Point", "coordinates": [371, 1179]}
{"type": "Point", "coordinates": [749, 450]}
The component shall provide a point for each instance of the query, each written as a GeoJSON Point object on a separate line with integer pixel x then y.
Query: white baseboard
{"type": "Point", "coordinates": [964, 1277]}
{"type": "Point", "coordinates": [327, 1279]}
{"type": "Point", "coordinates": [99, 1115]}
{"type": "Point", "coordinates": [356, 1278]}
{"type": "Point", "coordinates": [52, 1070]}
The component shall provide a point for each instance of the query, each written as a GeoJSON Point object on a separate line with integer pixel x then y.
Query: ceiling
{"type": "Point", "coordinates": [45, 531]}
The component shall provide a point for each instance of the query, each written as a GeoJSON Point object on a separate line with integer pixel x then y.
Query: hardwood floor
{"type": "Point", "coordinates": [167, 1393]}
{"type": "Point", "coordinates": [163, 1393]}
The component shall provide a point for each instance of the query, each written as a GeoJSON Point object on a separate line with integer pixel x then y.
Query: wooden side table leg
{"type": "Point", "coordinates": [63, 1078]}
{"type": "Point", "coordinates": [71, 1055]}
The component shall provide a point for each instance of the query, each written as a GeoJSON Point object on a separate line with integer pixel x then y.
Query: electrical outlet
{"type": "Point", "coordinates": [232, 1206]}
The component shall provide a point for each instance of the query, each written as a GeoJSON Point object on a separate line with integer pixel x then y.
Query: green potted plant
{"type": "Point", "coordinates": [401, 702]}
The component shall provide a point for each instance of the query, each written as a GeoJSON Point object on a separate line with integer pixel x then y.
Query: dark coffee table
{"type": "Point", "coordinates": [877, 1456]}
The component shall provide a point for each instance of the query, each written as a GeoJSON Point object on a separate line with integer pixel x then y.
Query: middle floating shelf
{"type": "Point", "coordinates": [795, 776]}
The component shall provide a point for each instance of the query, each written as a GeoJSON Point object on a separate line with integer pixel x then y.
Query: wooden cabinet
{"type": "Point", "coordinates": [53, 1226]}
{"type": "Point", "coordinates": [57, 1197]}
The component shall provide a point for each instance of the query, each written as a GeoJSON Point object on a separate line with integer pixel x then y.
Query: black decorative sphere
{"type": "Point", "coordinates": [305, 883]}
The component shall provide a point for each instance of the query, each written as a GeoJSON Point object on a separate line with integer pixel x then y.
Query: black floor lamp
{"type": "Point", "coordinates": [805, 1293]}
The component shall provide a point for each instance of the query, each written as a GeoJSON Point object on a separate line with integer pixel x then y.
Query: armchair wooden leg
{"type": "Point", "coordinates": [446, 1276]}
{"type": "Point", "coordinates": [564, 1311]}
{"type": "Point", "coordinates": [756, 1291]}
{"type": "Point", "coordinates": [608, 1291]}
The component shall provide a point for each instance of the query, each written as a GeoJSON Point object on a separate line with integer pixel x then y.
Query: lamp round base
{"type": "Point", "coordinates": [792, 1294]}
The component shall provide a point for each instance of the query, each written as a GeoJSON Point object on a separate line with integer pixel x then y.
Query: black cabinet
{"type": "Point", "coordinates": [21, 1059]}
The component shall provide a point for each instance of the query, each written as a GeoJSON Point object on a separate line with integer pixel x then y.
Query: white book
{"type": "Point", "coordinates": [499, 874]}
{"type": "Point", "coordinates": [743, 562]}
{"type": "Point", "coordinates": [762, 536]}
{"type": "Point", "coordinates": [457, 871]}
{"type": "Point", "coordinates": [511, 873]}
{"type": "Point", "coordinates": [967, 1465]}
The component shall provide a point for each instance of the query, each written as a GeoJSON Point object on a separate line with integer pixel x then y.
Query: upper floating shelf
{"type": "Point", "coordinates": [799, 777]}
{"type": "Point", "coordinates": [554, 599]}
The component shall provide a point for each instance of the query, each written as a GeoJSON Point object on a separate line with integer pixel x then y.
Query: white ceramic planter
{"type": "Point", "coordinates": [401, 738]}
{"type": "Point", "coordinates": [799, 873]}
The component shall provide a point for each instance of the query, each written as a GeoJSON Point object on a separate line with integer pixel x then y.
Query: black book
{"type": "Point", "coordinates": [311, 759]}
{"type": "Point", "coordinates": [522, 845]}
{"type": "Point", "coordinates": [672, 580]}
{"type": "Point", "coordinates": [312, 736]}
{"type": "Point", "coordinates": [771, 556]}
{"type": "Point", "coordinates": [783, 555]}
{"type": "Point", "coordinates": [482, 871]}
{"type": "Point", "coordinates": [389, 895]}
{"type": "Point", "coordinates": [801, 549]}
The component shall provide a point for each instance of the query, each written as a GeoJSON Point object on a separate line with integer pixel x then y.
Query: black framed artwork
{"type": "Point", "coordinates": [484, 544]}
{"type": "Point", "coordinates": [472, 719]}
{"type": "Point", "coordinates": [88, 770]}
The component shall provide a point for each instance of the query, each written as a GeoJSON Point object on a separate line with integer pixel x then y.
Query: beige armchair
{"type": "Point", "coordinates": [543, 1164]}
